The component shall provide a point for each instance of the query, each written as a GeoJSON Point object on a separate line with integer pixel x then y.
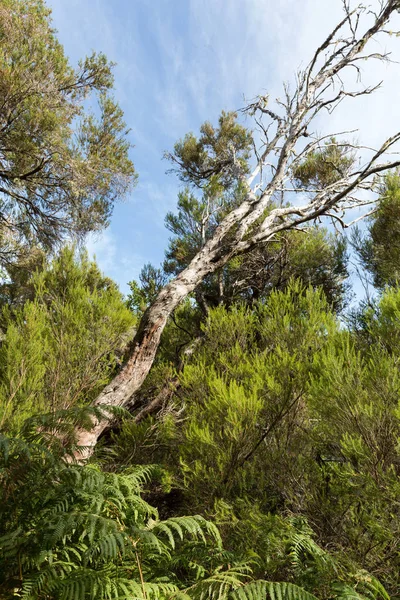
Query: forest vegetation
{"type": "Point", "coordinates": [230, 430]}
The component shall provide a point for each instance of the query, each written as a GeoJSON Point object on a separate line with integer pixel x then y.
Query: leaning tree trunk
{"type": "Point", "coordinates": [141, 356]}
{"type": "Point", "coordinates": [319, 88]}
{"type": "Point", "coordinates": [215, 254]}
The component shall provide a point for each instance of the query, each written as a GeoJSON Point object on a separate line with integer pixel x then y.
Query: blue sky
{"type": "Point", "coordinates": [179, 63]}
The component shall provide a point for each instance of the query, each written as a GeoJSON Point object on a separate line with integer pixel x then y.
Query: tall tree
{"type": "Point", "coordinates": [62, 166]}
{"type": "Point", "coordinates": [288, 141]}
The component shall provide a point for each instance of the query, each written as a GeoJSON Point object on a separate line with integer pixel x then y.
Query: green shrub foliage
{"type": "Point", "coordinates": [280, 413]}
{"type": "Point", "coordinates": [60, 348]}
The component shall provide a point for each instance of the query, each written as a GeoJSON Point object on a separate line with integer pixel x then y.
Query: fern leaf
{"type": "Point", "coordinates": [259, 590]}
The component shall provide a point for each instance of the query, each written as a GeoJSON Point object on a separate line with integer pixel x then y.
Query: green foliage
{"type": "Point", "coordinates": [354, 402]}
{"type": "Point", "coordinates": [73, 531]}
{"type": "Point", "coordinates": [191, 227]}
{"type": "Point", "coordinates": [282, 417]}
{"type": "Point", "coordinates": [16, 283]}
{"type": "Point", "coordinates": [218, 157]}
{"type": "Point", "coordinates": [63, 167]}
{"type": "Point", "coordinates": [274, 591]}
{"type": "Point", "coordinates": [318, 259]}
{"type": "Point", "coordinates": [68, 531]}
{"type": "Point", "coordinates": [61, 347]}
{"type": "Point", "coordinates": [242, 391]}
{"type": "Point", "coordinates": [379, 249]}
{"type": "Point", "coordinates": [325, 166]}
{"type": "Point", "coordinates": [143, 294]}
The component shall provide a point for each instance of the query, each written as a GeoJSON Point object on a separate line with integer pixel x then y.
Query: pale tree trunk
{"type": "Point", "coordinates": [145, 344]}
{"type": "Point", "coordinates": [255, 221]}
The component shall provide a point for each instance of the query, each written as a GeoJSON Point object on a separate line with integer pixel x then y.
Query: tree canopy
{"type": "Point", "coordinates": [62, 164]}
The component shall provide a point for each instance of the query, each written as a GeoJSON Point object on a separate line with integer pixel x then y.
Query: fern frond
{"type": "Point", "coordinates": [371, 587]}
{"type": "Point", "coordinates": [366, 587]}
{"type": "Point", "coordinates": [196, 526]}
{"type": "Point", "coordinates": [220, 584]}
{"type": "Point", "coordinates": [346, 592]}
{"type": "Point", "coordinates": [303, 546]}
{"type": "Point", "coordinates": [259, 590]}
{"type": "Point", "coordinates": [107, 547]}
